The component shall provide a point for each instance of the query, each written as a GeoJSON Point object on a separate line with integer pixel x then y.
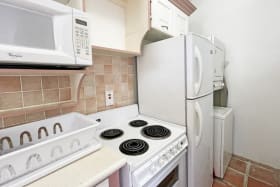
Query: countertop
{"type": "Point", "coordinates": [88, 171]}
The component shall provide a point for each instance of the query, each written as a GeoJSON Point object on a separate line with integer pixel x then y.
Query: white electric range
{"type": "Point", "coordinates": [155, 150]}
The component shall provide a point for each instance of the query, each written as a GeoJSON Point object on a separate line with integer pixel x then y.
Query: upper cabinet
{"type": "Point", "coordinates": [180, 23]}
{"type": "Point", "coordinates": [78, 4]}
{"type": "Point", "coordinates": [121, 25]}
{"type": "Point", "coordinates": [162, 16]}
{"type": "Point", "coordinates": [118, 24]}
{"type": "Point", "coordinates": [167, 18]}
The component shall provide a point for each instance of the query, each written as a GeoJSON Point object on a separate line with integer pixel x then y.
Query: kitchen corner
{"type": "Point", "coordinates": [139, 93]}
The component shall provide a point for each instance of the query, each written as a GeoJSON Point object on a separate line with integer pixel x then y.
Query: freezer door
{"type": "Point", "coordinates": [199, 66]}
{"type": "Point", "coordinates": [200, 135]}
{"type": "Point", "coordinates": [161, 80]}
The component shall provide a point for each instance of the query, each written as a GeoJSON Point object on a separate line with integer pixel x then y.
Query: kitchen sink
{"type": "Point", "coordinates": [33, 150]}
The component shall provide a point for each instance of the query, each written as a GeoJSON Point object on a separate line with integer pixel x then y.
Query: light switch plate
{"type": "Point", "coordinates": [109, 97]}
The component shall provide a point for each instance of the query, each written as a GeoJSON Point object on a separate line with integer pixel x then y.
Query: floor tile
{"type": "Point", "coordinates": [266, 175]}
{"type": "Point", "coordinates": [255, 183]}
{"type": "Point", "coordinates": [233, 177]}
{"type": "Point", "coordinates": [219, 183]}
{"type": "Point", "coordinates": [238, 165]}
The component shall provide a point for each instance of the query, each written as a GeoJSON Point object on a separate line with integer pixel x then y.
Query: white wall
{"type": "Point", "coordinates": [250, 30]}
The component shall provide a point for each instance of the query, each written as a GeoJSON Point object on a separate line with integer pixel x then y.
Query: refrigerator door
{"type": "Point", "coordinates": [161, 80]}
{"type": "Point", "coordinates": [200, 134]}
{"type": "Point", "coordinates": [199, 66]}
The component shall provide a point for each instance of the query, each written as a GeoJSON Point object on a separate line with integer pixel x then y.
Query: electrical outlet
{"type": "Point", "coordinates": [109, 97]}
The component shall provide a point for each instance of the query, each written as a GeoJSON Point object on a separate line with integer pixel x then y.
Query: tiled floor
{"type": "Point", "coordinates": [245, 173]}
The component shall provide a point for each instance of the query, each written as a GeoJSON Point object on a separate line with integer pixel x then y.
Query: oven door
{"type": "Point", "coordinates": [173, 175]}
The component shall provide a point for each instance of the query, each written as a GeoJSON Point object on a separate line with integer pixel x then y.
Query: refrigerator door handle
{"type": "Point", "coordinates": [199, 124]}
{"type": "Point", "coordinates": [198, 60]}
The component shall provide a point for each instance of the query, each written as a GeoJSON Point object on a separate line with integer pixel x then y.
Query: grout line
{"type": "Point", "coordinates": [239, 172]}
{"type": "Point", "coordinates": [45, 116]}
{"type": "Point", "coordinates": [246, 176]}
{"type": "Point", "coordinates": [21, 90]}
{"type": "Point", "coordinates": [2, 120]}
{"type": "Point", "coordinates": [257, 179]}
{"type": "Point", "coordinates": [42, 90]}
{"type": "Point", "coordinates": [59, 95]}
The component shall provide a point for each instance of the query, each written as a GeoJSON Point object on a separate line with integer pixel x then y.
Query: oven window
{"type": "Point", "coordinates": [170, 179]}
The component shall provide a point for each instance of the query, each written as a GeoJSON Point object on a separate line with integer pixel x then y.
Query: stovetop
{"type": "Point", "coordinates": [144, 148]}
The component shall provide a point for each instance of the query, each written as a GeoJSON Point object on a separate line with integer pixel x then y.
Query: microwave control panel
{"type": "Point", "coordinates": [81, 39]}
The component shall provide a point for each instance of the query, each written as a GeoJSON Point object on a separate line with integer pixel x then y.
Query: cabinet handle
{"type": "Point", "coordinates": [164, 27]}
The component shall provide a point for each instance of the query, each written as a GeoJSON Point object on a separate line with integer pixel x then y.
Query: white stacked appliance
{"type": "Point", "coordinates": [175, 84]}
{"type": "Point", "coordinates": [218, 62]}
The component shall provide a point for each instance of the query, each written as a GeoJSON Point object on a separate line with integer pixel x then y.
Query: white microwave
{"type": "Point", "coordinates": [43, 32]}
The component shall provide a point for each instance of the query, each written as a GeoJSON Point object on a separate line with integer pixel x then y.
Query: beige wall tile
{"type": "Point", "coordinates": [124, 78]}
{"type": "Point", "coordinates": [116, 68]}
{"type": "Point", "coordinates": [14, 120]}
{"type": "Point", "coordinates": [99, 59]}
{"type": "Point", "coordinates": [131, 61]}
{"type": "Point", "coordinates": [9, 84]}
{"type": "Point", "coordinates": [10, 100]}
{"type": "Point", "coordinates": [108, 79]}
{"type": "Point", "coordinates": [81, 93]}
{"type": "Point", "coordinates": [52, 113]}
{"type": "Point", "coordinates": [32, 98]}
{"type": "Point", "coordinates": [34, 117]}
{"type": "Point", "coordinates": [50, 82]}
{"type": "Point", "coordinates": [91, 106]}
{"type": "Point", "coordinates": [100, 93]}
{"type": "Point", "coordinates": [99, 80]}
{"type": "Point", "coordinates": [64, 81]}
{"type": "Point", "coordinates": [65, 94]}
{"type": "Point", "coordinates": [81, 107]}
{"type": "Point", "coordinates": [66, 110]}
{"type": "Point", "coordinates": [131, 69]}
{"type": "Point", "coordinates": [1, 123]}
{"type": "Point", "coordinates": [98, 68]}
{"type": "Point", "coordinates": [88, 80]}
{"type": "Point", "coordinates": [51, 96]}
{"type": "Point", "coordinates": [31, 83]}
{"type": "Point", "coordinates": [89, 92]}
{"type": "Point", "coordinates": [108, 68]}
{"type": "Point", "coordinates": [109, 87]}
{"type": "Point", "coordinates": [124, 67]}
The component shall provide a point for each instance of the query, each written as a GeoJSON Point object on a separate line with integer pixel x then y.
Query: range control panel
{"type": "Point", "coordinates": [152, 167]}
{"type": "Point", "coordinates": [81, 38]}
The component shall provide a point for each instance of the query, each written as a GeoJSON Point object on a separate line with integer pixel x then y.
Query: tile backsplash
{"type": "Point", "coordinates": [108, 73]}
{"type": "Point", "coordinates": [27, 91]}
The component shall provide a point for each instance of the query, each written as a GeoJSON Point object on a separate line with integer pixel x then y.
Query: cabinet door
{"type": "Point", "coordinates": [180, 22]}
{"type": "Point", "coordinates": [219, 62]}
{"type": "Point", "coordinates": [162, 15]}
{"type": "Point", "coordinates": [77, 4]}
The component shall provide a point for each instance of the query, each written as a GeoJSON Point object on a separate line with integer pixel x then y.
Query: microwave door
{"type": "Point", "coordinates": [36, 34]}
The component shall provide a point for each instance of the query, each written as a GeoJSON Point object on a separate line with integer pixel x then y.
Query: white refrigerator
{"type": "Point", "coordinates": [175, 84]}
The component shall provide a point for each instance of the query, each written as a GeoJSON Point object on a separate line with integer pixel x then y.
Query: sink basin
{"type": "Point", "coordinates": [33, 150]}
